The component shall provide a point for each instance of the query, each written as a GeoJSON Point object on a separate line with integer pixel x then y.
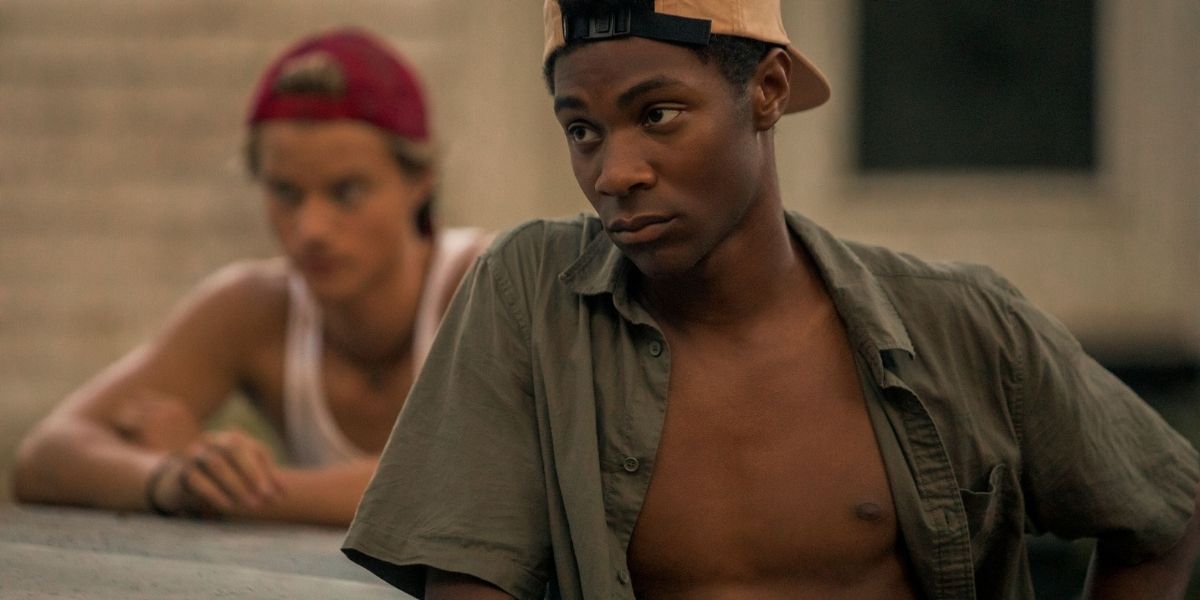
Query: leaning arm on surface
{"type": "Point", "coordinates": [101, 445]}
{"type": "Point", "coordinates": [324, 496]}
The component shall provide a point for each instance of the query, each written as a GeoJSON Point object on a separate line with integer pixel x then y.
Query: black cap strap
{"type": "Point", "coordinates": [642, 23]}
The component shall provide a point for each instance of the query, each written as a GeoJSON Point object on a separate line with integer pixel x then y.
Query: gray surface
{"type": "Point", "coordinates": [54, 552]}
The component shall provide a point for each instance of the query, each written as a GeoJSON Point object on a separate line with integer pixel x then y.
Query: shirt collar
{"type": "Point", "coordinates": [600, 268]}
{"type": "Point", "coordinates": [860, 299]}
{"type": "Point", "coordinates": [871, 320]}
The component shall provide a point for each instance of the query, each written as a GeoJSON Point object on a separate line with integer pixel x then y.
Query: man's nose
{"type": "Point", "coordinates": [314, 218]}
{"type": "Point", "coordinates": [623, 167]}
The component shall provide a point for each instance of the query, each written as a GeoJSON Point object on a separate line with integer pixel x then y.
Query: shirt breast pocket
{"type": "Point", "coordinates": [985, 513]}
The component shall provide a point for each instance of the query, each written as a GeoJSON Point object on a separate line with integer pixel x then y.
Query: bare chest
{"type": "Point", "coordinates": [363, 404]}
{"type": "Point", "coordinates": [768, 469]}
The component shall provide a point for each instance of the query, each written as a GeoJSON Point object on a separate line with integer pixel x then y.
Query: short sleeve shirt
{"type": "Point", "coordinates": [527, 444]}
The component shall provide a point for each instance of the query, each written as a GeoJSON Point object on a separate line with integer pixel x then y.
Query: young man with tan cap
{"type": "Point", "coordinates": [325, 341]}
{"type": "Point", "coordinates": [696, 394]}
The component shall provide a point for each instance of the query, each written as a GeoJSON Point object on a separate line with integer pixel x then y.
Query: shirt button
{"type": "Point", "coordinates": [631, 464]}
{"type": "Point", "coordinates": [656, 348]}
{"type": "Point", "coordinates": [623, 576]}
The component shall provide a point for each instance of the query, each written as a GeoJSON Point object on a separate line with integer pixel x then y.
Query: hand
{"type": "Point", "coordinates": [221, 473]}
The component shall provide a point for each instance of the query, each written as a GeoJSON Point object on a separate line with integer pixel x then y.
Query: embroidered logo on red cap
{"type": "Point", "coordinates": [356, 76]}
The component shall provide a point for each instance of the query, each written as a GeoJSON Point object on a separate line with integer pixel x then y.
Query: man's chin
{"type": "Point", "coordinates": [660, 265]}
{"type": "Point", "coordinates": [329, 290]}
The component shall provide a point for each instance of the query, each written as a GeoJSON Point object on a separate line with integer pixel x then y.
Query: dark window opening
{"type": "Point", "coordinates": [977, 85]}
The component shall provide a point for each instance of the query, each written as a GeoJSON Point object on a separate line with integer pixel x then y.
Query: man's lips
{"type": "Point", "coordinates": [317, 264]}
{"type": "Point", "coordinates": [637, 229]}
{"type": "Point", "coordinates": [631, 224]}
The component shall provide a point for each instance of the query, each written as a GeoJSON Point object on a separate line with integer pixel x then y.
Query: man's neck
{"type": "Point", "coordinates": [376, 328]}
{"type": "Point", "coordinates": [746, 278]}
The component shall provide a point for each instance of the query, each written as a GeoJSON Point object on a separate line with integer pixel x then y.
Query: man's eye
{"type": "Point", "coordinates": [582, 134]}
{"type": "Point", "coordinates": [349, 192]}
{"type": "Point", "coordinates": [286, 194]}
{"type": "Point", "coordinates": [660, 116]}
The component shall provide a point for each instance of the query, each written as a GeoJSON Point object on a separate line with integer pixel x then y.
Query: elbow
{"type": "Point", "coordinates": [25, 484]}
{"type": "Point", "coordinates": [39, 460]}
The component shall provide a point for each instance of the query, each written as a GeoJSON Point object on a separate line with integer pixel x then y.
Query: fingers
{"type": "Point", "coordinates": [254, 463]}
{"type": "Point", "coordinates": [231, 473]}
{"type": "Point", "coordinates": [202, 492]}
{"type": "Point", "coordinates": [216, 477]}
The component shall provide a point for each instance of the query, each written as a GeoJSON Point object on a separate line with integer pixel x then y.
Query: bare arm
{"type": "Point", "coordinates": [85, 453]}
{"type": "Point", "coordinates": [1165, 576]}
{"type": "Point", "coordinates": [325, 496]}
{"type": "Point", "coordinates": [443, 585]}
{"type": "Point", "coordinates": [73, 460]}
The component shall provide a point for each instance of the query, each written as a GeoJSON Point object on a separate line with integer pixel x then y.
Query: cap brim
{"type": "Point", "coordinates": [810, 89]}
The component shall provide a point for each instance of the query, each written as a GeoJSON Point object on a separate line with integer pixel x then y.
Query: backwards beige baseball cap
{"type": "Point", "coordinates": [691, 22]}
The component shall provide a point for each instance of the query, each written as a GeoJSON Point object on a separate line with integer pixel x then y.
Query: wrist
{"type": "Point", "coordinates": [160, 477]}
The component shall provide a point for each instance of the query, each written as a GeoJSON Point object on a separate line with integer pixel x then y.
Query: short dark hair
{"type": "Point", "coordinates": [736, 57]}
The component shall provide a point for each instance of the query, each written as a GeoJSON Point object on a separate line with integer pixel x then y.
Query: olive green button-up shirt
{"type": "Point", "coordinates": [525, 449]}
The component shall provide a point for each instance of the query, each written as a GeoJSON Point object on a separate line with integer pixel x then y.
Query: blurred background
{"type": "Point", "coordinates": [1059, 144]}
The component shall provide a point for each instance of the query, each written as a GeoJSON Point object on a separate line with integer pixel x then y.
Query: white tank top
{"type": "Point", "coordinates": [312, 436]}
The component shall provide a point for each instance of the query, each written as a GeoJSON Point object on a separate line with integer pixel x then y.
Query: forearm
{"type": "Point", "coordinates": [327, 496]}
{"type": "Point", "coordinates": [80, 462]}
{"type": "Point", "coordinates": [443, 585]}
{"type": "Point", "coordinates": [1164, 576]}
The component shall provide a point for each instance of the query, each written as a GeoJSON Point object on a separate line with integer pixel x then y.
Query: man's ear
{"type": "Point", "coordinates": [770, 88]}
{"type": "Point", "coordinates": [423, 216]}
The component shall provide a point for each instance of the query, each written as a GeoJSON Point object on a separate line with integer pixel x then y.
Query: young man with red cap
{"type": "Point", "coordinates": [325, 341]}
{"type": "Point", "coordinates": [697, 394]}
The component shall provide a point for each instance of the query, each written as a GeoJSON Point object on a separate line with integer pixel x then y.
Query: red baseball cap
{"type": "Point", "coordinates": [377, 85]}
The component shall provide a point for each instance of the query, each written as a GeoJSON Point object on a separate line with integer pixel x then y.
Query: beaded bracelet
{"type": "Point", "coordinates": [156, 476]}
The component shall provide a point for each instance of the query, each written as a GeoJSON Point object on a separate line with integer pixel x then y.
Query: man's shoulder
{"type": "Point", "coordinates": [223, 327]}
{"type": "Point", "coordinates": [550, 245]}
{"type": "Point", "coordinates": [259, 280]}
{"type": "Point", "coordinates": [900, 271]}
{"type": "Point", "coordinates": [943, 305]}
{"type": "Point", "coordinates": [934, 299]}
{"type": "Point", "coordinates": [247, 298]}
